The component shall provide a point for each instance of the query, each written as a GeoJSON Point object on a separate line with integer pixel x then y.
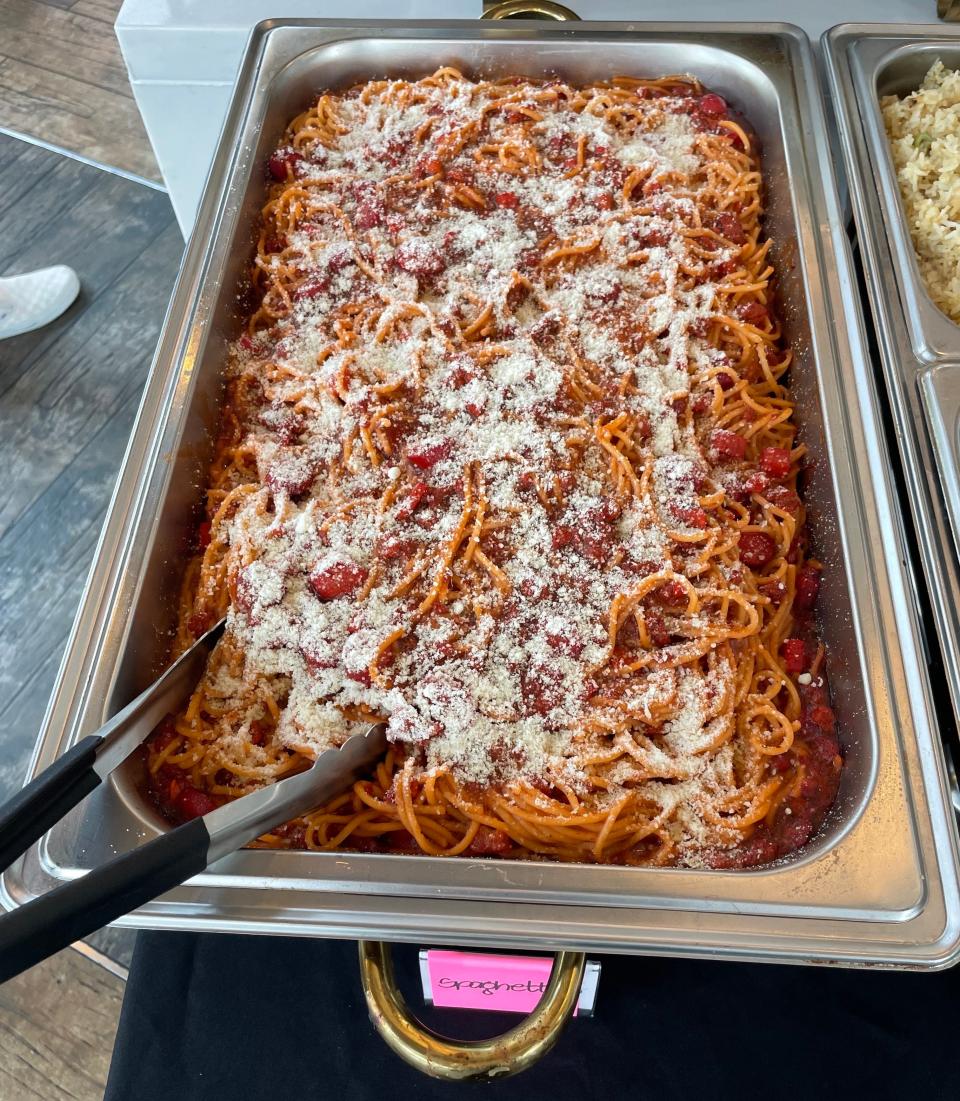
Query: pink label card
{"type": "Point", "coordinates": [481, 980]}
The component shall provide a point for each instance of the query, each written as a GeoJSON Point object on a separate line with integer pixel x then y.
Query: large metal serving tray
{"type": "Point", "coordinates": [880, 882]}
{"type": "Point", "coordinates": [919, 345]}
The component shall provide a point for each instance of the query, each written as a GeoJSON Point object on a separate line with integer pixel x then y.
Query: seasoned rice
{"type": "Point", "coordinates": [924, 133]}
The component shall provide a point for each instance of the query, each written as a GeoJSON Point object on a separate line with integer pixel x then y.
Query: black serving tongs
{"type": "Point", "coordinates": [44, 925]}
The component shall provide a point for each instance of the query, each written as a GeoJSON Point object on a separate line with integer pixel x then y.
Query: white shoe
{"type": "Point", "coordinates": [30, 301]}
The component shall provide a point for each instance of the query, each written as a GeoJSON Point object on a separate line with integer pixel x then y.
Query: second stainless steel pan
{"type": "Point", "coordinates": [919, 347]}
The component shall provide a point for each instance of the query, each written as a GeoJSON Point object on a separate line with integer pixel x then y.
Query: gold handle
{"type": "Point", "coordinates": [535, 9]}
{"type": "Point", "coordinates": [500, 1056]}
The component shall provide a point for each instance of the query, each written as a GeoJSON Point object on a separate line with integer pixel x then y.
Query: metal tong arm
{"type": "Point", "coordinates": [74, 910]}
{"type": "Point", "coordinates": [26, 817]}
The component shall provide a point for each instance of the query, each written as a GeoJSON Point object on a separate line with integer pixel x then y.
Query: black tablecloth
{"type": "Point", "coordinates": [242, 1018]}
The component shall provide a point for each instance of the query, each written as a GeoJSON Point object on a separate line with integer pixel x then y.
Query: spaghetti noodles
{"type": "Point", "coordinates": [508, 460]}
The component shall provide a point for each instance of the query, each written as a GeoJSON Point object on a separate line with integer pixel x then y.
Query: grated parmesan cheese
{"type": "Point", "coordinates": [492, 686]}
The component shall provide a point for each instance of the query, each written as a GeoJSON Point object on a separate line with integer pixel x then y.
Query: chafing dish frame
{"type": "Point", "coordinates": [880, 882]}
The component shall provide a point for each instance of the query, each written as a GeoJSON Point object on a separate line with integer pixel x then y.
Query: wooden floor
{"type": "Point", "coordinates": [57, 1024]}
{"type": "Point", "coordinates": [62, 79]}
{"type": "Point", "coordinates": [68, 395]}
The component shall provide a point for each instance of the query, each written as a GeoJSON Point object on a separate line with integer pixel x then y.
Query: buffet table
{"type": "Point", "coordinates": [875, 385]}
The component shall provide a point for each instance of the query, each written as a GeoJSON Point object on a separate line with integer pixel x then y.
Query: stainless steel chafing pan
{"type": "Point", "coordinates": [878, 884]}
{"type": "Point", "coordinates": [919, 346]}
{"type": "Point", "coordinates": [896, 65]}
